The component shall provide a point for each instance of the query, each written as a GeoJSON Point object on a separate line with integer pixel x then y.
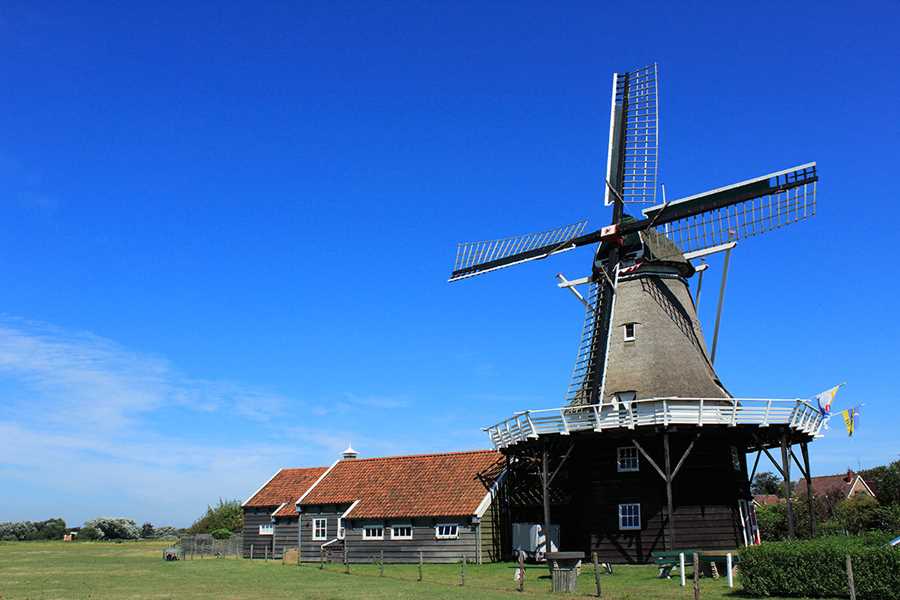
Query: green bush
{"type": "Point", "coordinates": [220, 534]}
{"type": "Point", "coordinates": [817, 568]}
{"type": "Point", "coordinates": [858, 514]}
{"type": "Point", "coordinates": [114, 528]}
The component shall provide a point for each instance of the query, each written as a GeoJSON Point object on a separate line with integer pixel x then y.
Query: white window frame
{"type": "Point", "coordinates": [446, 536]}
{"type": "Point", "coordinates": [627, 507]}
{"type": "Point", "coordinates": [394, 529]}
{"type": "Point", "coordinates": [267, 529]}
{"type": "Point", "coordinates": [365, 532]}
{"type": "Point", "coordinates": [625, 336]}
{"type": "Point", "coordinates": [315, 528]}
{"type": "Point", "coordinates": [620, 459]}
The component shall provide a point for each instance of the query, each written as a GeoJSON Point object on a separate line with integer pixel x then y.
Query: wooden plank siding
{"type": "Point", "coordinates": [705, 494]}
{"type": "Point", "coordinates": [395, 551]}
{"type": "Point", "coordinates": [285, 536]}
{"type": "Point", "coordinates": [253, 518]}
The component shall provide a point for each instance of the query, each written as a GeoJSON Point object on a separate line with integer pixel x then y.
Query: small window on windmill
{"type": "Point", "coordinates": [627, 459]}
{"type": "Point", "coordinates": [629, 331]}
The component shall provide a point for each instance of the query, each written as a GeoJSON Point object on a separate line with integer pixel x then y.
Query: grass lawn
{"type": "Point", "coordinates": [135, 570]}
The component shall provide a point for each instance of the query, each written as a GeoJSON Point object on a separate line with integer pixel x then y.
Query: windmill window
{"type": "Point", "coordinates": [630, 516]}
{"type": "Point", "coordinates": [320, 529]}
{"type": "Point", "coordinates": [401, 532]}
{"type": "Point", "coordinates": [446, 531]}
{"type": "Point", "coordinates": [627, 459]}
{"type": "Point", "coordinates": [373, 532]}
{"type": "Point", "coordinates": [629, 331]}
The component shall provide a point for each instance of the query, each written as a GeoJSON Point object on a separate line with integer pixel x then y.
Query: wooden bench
{"type": "Point", "coordinates": [667, 560]}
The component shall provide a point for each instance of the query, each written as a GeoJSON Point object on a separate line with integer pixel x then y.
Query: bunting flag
{"type": "Point", "coordinates": [825, 398]}
{"type": "Point", "coordinates": [849, 419]}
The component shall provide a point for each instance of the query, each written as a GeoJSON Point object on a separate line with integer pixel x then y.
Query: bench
{"type": "Point", "coordinates": [668, 560]}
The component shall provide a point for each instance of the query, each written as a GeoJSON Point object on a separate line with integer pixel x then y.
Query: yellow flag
{"type": "Point", "coordinates": [848, 420]}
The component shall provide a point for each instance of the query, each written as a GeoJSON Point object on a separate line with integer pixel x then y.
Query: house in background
{"type": "Point", "coordinates": [766, 499]}
{"type": "Point", "coordinates": [846, 486]}
{"type": "Point", "coordinates": [270, 517]}
{"type": "Point", "coordinates": [439, 505]}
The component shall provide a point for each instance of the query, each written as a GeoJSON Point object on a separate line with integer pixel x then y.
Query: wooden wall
{"type": "Point", "coordinates": [285, 536]}
{"type": "Point", "coordinates": [253, 518]}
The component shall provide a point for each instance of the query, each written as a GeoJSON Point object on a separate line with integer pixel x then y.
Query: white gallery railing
{"type": "Point", "coordinates": [798, 414]}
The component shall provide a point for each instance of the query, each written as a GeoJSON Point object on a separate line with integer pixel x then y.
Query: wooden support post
{"type": "Point", "coordinates": [545, 486]}
{"type": "Point", "coordinates": [521, 571]}
{"type": "Point", "coordinates": [596, 560]}
{"type": "Point", "coordinates": [420, 565]}
{"type": "Point", "coordinates": [850, 584]}
{"type": "Point", "coordinates": [669, 503]}
{"type": "Point", "coordinates": [809, 490]}
{"type": "Point", "coordinates": [696, 576]}
{"type": "Point", "coordinates": [786, 471]}
{"type": "Point", "coordinates": [381, 564]}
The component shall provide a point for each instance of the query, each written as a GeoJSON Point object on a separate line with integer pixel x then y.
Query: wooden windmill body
{"type": "Point", "coordinates": [649, 449]}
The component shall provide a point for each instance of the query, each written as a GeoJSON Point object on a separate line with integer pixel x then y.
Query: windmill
{"type": "Point", "coordinates": [643, 381]}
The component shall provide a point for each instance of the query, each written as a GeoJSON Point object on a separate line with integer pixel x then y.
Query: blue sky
{"type": "Point", "coordinates": [227, 228]}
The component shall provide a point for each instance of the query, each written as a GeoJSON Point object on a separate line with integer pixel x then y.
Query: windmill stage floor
{"type": "Point", "coordinates": [135, 570]}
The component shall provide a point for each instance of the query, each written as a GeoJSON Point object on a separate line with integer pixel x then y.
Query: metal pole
{"type": "Point", "coordinates": [728, 572]}
{"type": "Point", "coordinates": [670, 504]}
{"type": "Point", "coordinates": [809, 491]}
{"type": "Point", "coordinates": [715, 342]}
{"type": "Point", "coordinates": [545, 484]}
{"type": "Point", "coordinates": [681, 568]}
{"type": "Point", "coordinates": [786, 471]}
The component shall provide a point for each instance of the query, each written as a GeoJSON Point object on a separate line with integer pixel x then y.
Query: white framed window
{"type": "Point", "coordinates": [630, 516]}
{"type": "Point", "coordinates": [373, 532]}
{"type": "Point", "coordinates": [627, 459]}
{"type": "Point", "coordinates": [446, 531]}
{"type": "Point", "coordinates": [267, 529]}
{"type": "Point", "coordinates": [341, 531]}
{"type": "Point", "coordinates": [320, 529]}
{"type": "Point", "coordinates": [401, 532]}
{"type": "Point", "coordinates": [628, 330]}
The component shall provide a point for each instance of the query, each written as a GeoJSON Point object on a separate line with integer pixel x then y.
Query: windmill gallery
{"type": "Point", "coordinates": [648, 452]}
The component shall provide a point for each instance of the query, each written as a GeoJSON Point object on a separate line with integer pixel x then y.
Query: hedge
{"type": "Point", "coordinates": [817, 568]}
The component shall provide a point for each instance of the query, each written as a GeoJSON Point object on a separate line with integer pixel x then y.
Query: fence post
{"type": "Point", "coordinates": [381, 565]}
{"type": "Point", "coordinates": [850, 584]}
{"type": "Point", "coordinates": [462, 571]}
{"type": "Point", "coordinates": [420, 566]}
{"type": "Point", "coordinates": [681, 568]}
{"type": "Point", "coordinates": [728, 570]}
{"type": "Point", "coordinates": [251, 551]}
{"type": "Point", "coordinates": [696, 576]}
{"type": "Point", "coordinates": [346, 560]}
{"type": "Point", "coordinates": [521, 571]}
{"type": "Point", "coordinates": [266, 552]}
{"type": "Point", "coordinates": [596, 560]}
{"type": "Point", "coordinates": [321, 557]}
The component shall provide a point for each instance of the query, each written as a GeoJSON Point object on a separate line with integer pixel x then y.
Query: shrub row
{"type": "Point", "coordinates": [817, 568]}
{"type": "Point", "coordinates": [51, 529]}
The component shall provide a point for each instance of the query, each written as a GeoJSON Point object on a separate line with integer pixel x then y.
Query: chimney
{"type": "Point", "coordinates": [349, 453]}
{"type": "Point", "coordinates": [849, 476]}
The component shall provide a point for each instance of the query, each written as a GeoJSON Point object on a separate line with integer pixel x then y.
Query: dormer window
{"type": "Point", "coordinates": [628, 330]}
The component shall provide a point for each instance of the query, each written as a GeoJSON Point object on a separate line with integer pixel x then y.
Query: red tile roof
{"type": "Point", "coordinates": [285, 487]}
{"type": "Point", "coordinates": [426, 485]}
{"type": "Point", "coordinates": [828, 483]}
{"type": "Point", "coordinates": [766, 499]}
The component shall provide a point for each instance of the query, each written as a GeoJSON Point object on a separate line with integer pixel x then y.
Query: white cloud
{"type": "Point", "coordinates": [78, 432]}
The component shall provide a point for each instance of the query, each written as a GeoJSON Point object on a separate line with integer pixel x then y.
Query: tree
{"type": "Point", "coordinates": [766, 483]}
{"type": "Point", "coordinates": [114, 528]}
{"type": "Point", "coordinates": [885, 482]}
{"type": "Point", "coordinates": [148, 531]}
{"type": "Point", "coordinates": [226, 515]}
{"type": "Point", "coordinates": [858, 514]}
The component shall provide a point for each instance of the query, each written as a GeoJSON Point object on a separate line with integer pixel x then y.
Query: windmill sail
{"type": "Point", "coordinates": [475, 258]}
{"type": "Point", "coordinates": [584, 383]}
{"type": "Point", "coordinates": [633, 157]}
{"type": "Point", "coordinates": [738, 211]}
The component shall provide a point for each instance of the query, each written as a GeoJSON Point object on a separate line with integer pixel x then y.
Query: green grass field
{"type": "Point", "coordinates": [101, 571]}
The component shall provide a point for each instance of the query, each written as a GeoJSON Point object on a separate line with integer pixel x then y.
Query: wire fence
{"type": "Point", "coordinates": [206, 546]}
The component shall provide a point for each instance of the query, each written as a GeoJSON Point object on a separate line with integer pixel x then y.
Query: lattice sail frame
{"type": "Point", "coordinates": [633, 155]}
{"type": "Point", "coordinates": [473, 258]}
{"type": "Point", "coordinates": [583, 380]}
{"type": "Point", "coordinates": [793, 199]}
